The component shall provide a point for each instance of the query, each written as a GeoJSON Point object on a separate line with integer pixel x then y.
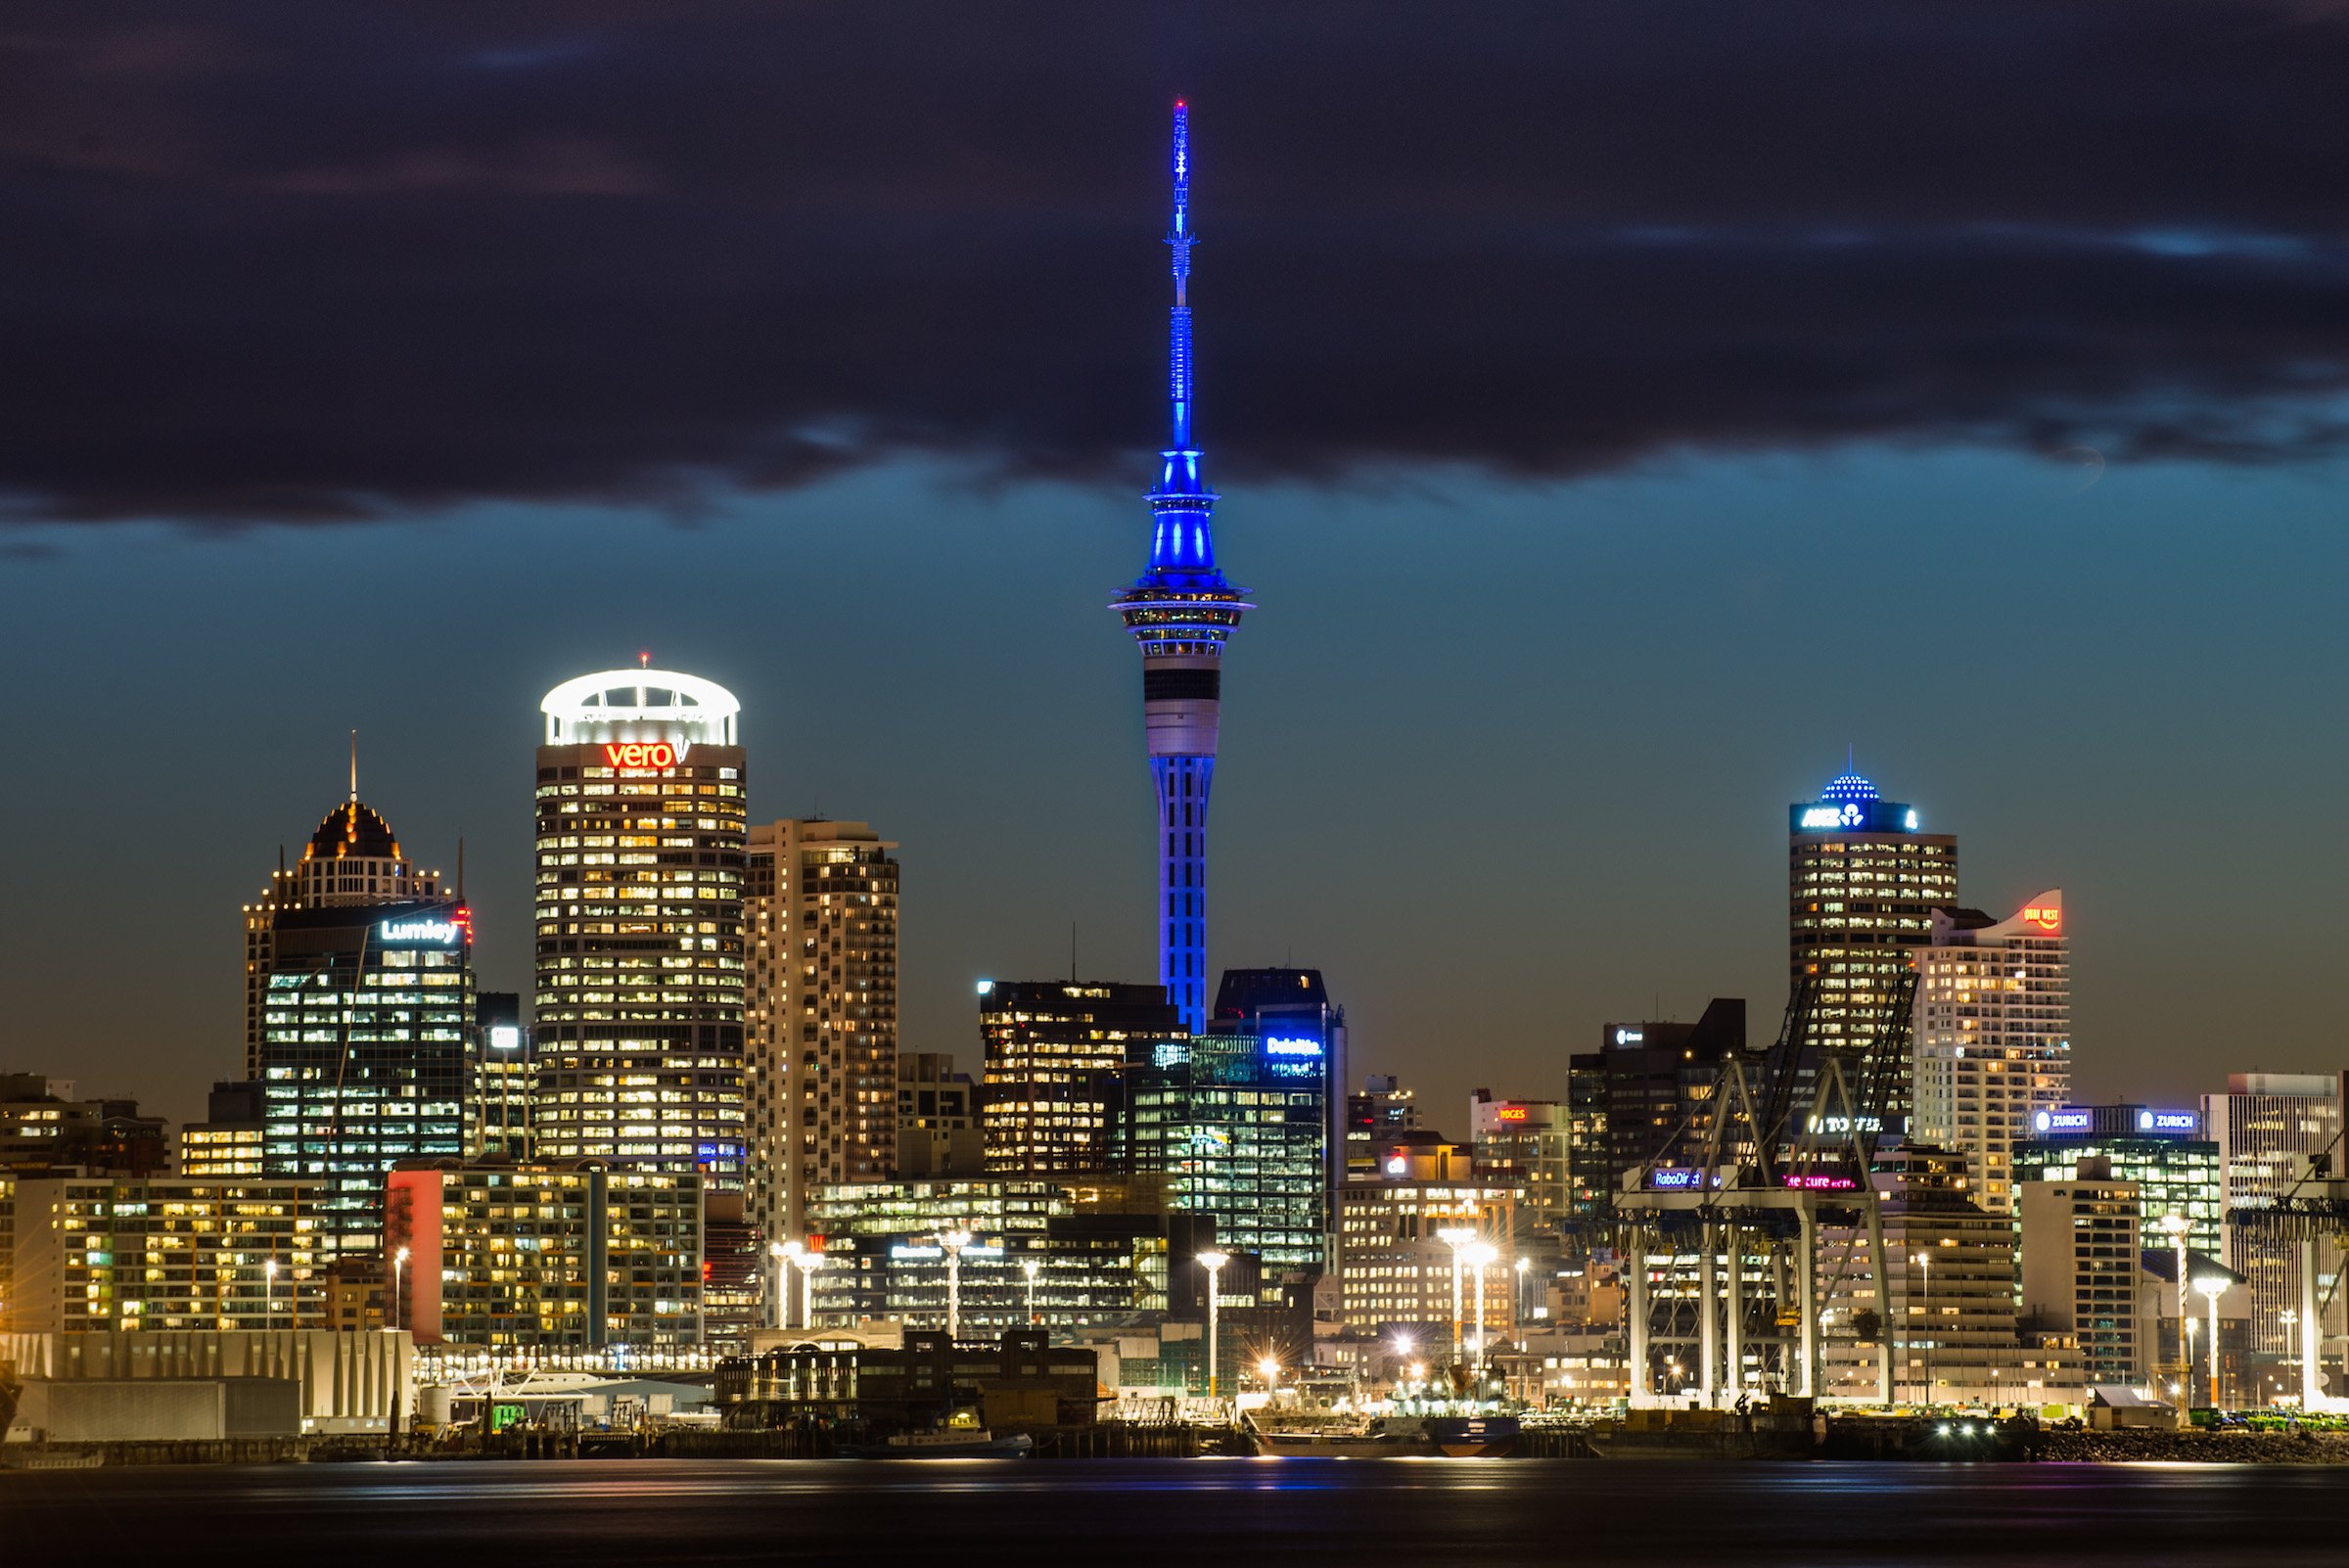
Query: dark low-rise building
{"type": "Point", "coordinates": [1021, 1381]}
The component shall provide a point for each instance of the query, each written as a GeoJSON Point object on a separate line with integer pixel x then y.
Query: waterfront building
{"type": "Point", "coordinates": [157, 1253]}
{"type": "Point", "coordinates": [640, 860]}
{"type": "Point", "coordinates": [46, 1125]}
{"type": "Point", "coordinates": [1949, 1303]}
{"type": "Point", "coordinates": [2162, 1152]}
{"type": "Point", "coordinates": [1021, 1380]}
{"type": "Point", "coordinates": [1239, 1124]}
{"type": "Point", "coordinates": [1055, 1053]}
{"type": "Point", "coordinates": [558, 1254]}
{"type": "Point", "coordinates": [1383, 1109]}
{"type": "Point", "coordinates": [2080, 1272]}
{"type": "Point", "coordinates": [1863, 882]}
{"type": "Point", "coordinates": [1395, 1269]}
{"type": "Point", "coordinates": [884, 1255]}
{"type": "Point", "coordinates": [1993, 1035]}
{"type": "Point", "coordinates": [1587, 1136]}
{"type": "Point", "coordinates": [1182, 613]}
{"type": "Point", "coordinates": [2269, 1127]}
{"type": "Point", "coordinates": [230, 1140]}
{"type": "Point", "coordinates": [1527, 1142]}
{"type": "Point", "coordinates": [822, 1077]}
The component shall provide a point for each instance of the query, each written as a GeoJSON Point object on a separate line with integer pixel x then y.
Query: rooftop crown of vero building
{"type": "Point", "coordinates": [629, 705]}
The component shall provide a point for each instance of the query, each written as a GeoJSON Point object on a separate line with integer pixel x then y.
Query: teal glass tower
{"type": "Point", "coordinates": [1181, 612]}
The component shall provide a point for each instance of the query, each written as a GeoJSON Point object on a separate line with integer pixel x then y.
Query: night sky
{"type": "Point", "coordinates": [1619, 409]}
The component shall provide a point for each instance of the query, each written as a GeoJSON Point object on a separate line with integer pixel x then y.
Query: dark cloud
{"type": "Point", "coordinates": [303, 262]}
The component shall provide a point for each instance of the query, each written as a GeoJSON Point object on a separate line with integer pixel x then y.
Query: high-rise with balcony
{"type": "Point", "coordinates": [1992, 1045]}
{"type": "Point", "coordinates": [822, 1014]}
{"type": "Point", "coordinates": [638, 1027]}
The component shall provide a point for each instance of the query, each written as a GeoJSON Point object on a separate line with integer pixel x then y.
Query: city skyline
{"type": "Point", "coordinates": [1508, 759]}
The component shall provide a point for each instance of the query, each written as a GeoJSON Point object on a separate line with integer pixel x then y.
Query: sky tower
{"type": "Point", "coordinates": [1181, 612]}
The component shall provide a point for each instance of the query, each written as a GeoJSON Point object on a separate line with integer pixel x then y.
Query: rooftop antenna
{"type": "Point", "coordinates": [460, 868]}
{"type": "Point", "coordinates": [354, 767]}
{"type": "Point", "coordinates": [1071, 952]}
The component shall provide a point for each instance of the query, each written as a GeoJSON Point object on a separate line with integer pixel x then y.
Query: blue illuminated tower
{"type": "Point", "coordinates": [1181, 612]}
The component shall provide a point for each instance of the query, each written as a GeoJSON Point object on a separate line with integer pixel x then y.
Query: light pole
{"type": "Point", "coordinates": [1213, 1262]}
{"type": "Point", "coordinates": [399, 1264]}
{"type": "Point", "coordinates": [1455, 1238]}
{"type": "Point", "coordinates": [809, 1262]}
{"type": "Point", "coordinates": [1481, 1256]}
{"type": "Point", "coordinates": [791, 1252]}
{"type": "Point", "coordinates": [1269, 1370]}
{"type": "Point", "coordinates": [2176, 1225]}
{"type": "Point", "coordinates": [954, 1241]}
{"type": "Point", "coordinates": [269, 1293]}
{"type": "Point", "coordinates": [2186, 1356]}
{"type": "Point", "coordinates": [2290, 1318]}
{"type": "Point", "coordinates": [1030, 1268]}
{"type": "Point", "coordinates": [1925, 1262]}
{"type": "Point", "coordinates": [2212, 1285]}
{"type": "Point", "coordinates": [1525, 1270]}
{"type": "Point", "coordinates": [779, 1271]}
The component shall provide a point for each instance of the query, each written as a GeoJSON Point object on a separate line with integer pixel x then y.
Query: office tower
{"type": "Point", "coordinates": [938, 1119]}
{"type": "Point", "coordinates": [1529, 1141]}
{"type": "Point", "coordinates": [2162, 1153]}
{"type": "Point", "coordinates": [1055, 1051]}
{"type": "Point", "coordinates": [1993, 1035]}
{"type": "Point", "coordinates": [1383, 1109]}
{"type": "Point", "coordinates": [822, 1078]}
{"type": "Point", "coordinates": [2081, 1273]}
{"type": "Point", "coordinates": [1659, 1083]}
{"type": "Point", "coordinates": [2269, 1127]}
{"type": "Point", "coordinates": [639, 1016]}
{"type": "Point", "coordinates": [1586, 1134]}
{"type": "Point", "coordinates": [546, 1254]}
{"type": "Point", "coordinates": [367, 1000]}
{"type": "Point", "coordinates": [500, 1071]}
{"type": "Point", "coordinates": [1293, 1004]}
{"type": "Point", "coordinates": [1863, 883]}
{"type": "Point", "coordinates": [1240, 1124]}
{"type": "Point", "coordinates": [1181, 612]}
{"type": "Point", "coordinates": [229, 1142]}
{"type": "Point", "coordinates": [46, 1125]}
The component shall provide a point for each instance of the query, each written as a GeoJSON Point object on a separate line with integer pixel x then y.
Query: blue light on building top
{"type": "Point", "coordinates": [1851, 803]}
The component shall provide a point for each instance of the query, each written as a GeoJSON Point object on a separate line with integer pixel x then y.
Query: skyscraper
{"type": "Point", "coordinates": [364, 973]}
{"type": "Point", "coordinates": [1181, 612]}
{"type": "Point", "coordinates": [1863, 883]}
{"type": "Point", "coordinates": [2269, 1127]}
{"type": "Point", "coordinates": [1993, 1035]}
{"type": "Point", "coordinates": [640, 847]}
{"type": "Point", "coordinates": [823, 1081]}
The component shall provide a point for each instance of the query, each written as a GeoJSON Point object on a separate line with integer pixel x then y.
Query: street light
{"type": "Point", "coordinates": [1924, 1262]}
{"type": "Point", "coordinates": [809, 1262]}
{"type": "Point", "coordinates": [2290, 1318]}
{"type": "Point", "coordinates": [1525, 1267]}
{"type": "Point", "coordinates": [1482, 1254]}
{"type": "Point", "coordinates": [1213, 1262]}
{"type": "Point", "coordinates": [779, 1271]}
{"type": "Point", "coordinates": [400, 1264]}
{"type": "Point", "coordinates": [1269, 1370]}
{"type": "Point", "coordinates": [1030, 1268]}
{"type": "Point", "coordinates": [952, 1240]}
{"type": "Point", "coordinates": [1455, 1238]}
{"type": "Point", "coordinates": [2213, 1286]}
{"type": "Point", "coordinates": [2177, 1227]}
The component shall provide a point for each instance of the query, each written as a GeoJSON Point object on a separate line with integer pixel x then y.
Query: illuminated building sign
{"type": "Point", "coordinates": [505, 1037]}
{"type": "Point", "coordinates": [1669, 1181]}
{"type": "Point", "coordinates": [645, 753]}
{"type": "Point", "coordinates": [1399, 1165]}
{"type": "Point", "coordinates": [2047, 917]}
{"type": "Point", "coordinates": [421, 932]}
{"type": "Point", "coordinates": [902, 1250]}
{"type": "Point", "coordinates": [1819, 817]}
{"type": "Point", "coordinates": [1853, 816]}
{"type": "Point", "coordinates": [1814, 1181]}
{"type": "Point", "coordinates": [1629, 1037]}
{"type": "Point", "coordinates": [2061, 1121]}
{"type": "Point", "coordinates": [1292, 1047]}
{"type": "Point", "coordinates": [2168, 1121]}
{"type": "Point", "coordinates": [1509, 1112]}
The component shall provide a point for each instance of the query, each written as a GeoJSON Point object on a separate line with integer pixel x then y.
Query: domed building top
{"type": "Point", "coordinates": [1848, 787]}
{"type": "Point", "coordinates": [353, 829]}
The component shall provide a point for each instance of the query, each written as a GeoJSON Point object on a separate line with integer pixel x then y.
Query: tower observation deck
{"type": "Point", "coordinates": [1181, 612]}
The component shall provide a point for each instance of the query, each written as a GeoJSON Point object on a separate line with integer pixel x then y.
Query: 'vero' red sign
{"type": "Point", "coordinates": [641, 754]}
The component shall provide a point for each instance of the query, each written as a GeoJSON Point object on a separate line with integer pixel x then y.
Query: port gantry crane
{"type": "Point", "coordinates": [2314, 1209]}
{"type": "Point", "coordinates": [1785, 1137]}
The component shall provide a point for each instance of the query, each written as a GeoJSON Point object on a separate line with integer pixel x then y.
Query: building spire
{"type": "Point", "coordinates": [354, 767]}
{"type": "Point", "coordinates": [1184, 539]}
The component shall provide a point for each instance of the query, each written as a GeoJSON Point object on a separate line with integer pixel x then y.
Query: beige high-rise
{"type": "Point", "coordinates": [822, 1014]}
